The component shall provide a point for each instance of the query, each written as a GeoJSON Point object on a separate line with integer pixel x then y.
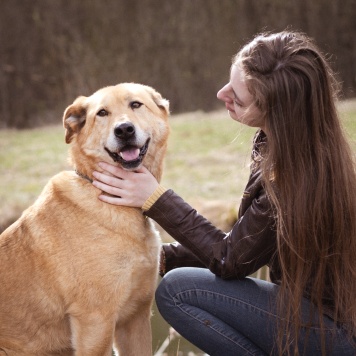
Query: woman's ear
{"type": "Point", "coordinates": [74, 118]}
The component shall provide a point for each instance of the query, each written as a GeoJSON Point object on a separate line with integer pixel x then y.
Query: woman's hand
{"type": "Point", "coordinates": [125, 188]}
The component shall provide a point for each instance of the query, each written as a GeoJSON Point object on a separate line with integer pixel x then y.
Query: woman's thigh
{"type": "Point", "coordinates": [235, 317]}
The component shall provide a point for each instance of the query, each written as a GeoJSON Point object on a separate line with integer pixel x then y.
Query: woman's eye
{"type": "Point", "coordinates": [237, 103]}
{"type": "Point", "coordinates": [102, 113]}
{"type": "Point", "coordinates": [135, 104]}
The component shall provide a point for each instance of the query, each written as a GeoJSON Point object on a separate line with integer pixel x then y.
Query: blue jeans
{"type": "Point", "coordinates": [235, 317]}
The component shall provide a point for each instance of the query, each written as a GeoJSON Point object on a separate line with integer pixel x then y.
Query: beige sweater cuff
{"type": "Point", "coordinates": [153, 198]}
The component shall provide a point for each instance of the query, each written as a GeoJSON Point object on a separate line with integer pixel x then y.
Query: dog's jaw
{"type": "Point", "coordinates": [117, 157]}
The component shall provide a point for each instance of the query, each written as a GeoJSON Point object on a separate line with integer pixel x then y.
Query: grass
{"type": "Point", "coordinates": [204, 145]}
{"type": "Point", "coordinates": [28, 158]}
{"type": "Point", "coordinates": [213, 150]}
{"type": "Point", "coordinates": [207, 158]}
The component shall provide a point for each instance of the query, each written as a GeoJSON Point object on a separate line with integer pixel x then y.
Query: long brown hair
{"type": "Point", "coordinates": [309, 175]}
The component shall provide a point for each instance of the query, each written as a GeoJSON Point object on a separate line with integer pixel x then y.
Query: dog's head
{"type": "Point", "coordinates": [126, 124]}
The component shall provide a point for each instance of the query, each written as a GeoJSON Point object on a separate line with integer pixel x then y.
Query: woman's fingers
{"type": "Point", "coordinates": [141, 169]}
{"type": "Point", "coordinates": [110, 180]}
{"type": "Point", "coordinates": [107, 187]}
{"type": "Point", "coordinates": [130, 188]}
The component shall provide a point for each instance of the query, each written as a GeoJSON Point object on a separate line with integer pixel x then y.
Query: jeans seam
{"type": "Point", "coordinates": [249, 305]}
{"type": "Point", "coordinates": [231, 298]}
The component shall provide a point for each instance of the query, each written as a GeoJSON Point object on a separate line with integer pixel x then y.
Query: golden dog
{"type": "Point", "coordinates": [78, 275]}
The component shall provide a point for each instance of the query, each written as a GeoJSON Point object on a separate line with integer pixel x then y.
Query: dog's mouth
{"type": "Point", "coordinates": [129, 156]}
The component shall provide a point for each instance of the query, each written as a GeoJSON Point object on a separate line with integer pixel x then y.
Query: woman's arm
{"type": "Point", "coordinates": [250, 244]}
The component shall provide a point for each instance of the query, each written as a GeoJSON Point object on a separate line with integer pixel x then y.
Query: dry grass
{"type": "Point", "coordinates": [207, 159]}
{"type": "Point", "coordinates": [28, 159]}
{"type": "Point", "coordinates": [208, 156]}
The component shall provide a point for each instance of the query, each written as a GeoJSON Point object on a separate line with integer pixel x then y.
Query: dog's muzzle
{"type": "Point", "coordinates": [129, 154]}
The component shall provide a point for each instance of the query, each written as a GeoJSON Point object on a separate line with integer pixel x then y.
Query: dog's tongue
{"type": "Point", "coordinates": [130, 154]}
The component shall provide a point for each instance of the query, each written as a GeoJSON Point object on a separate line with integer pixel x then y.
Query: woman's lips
{"type": "Point", "coordinates": [228, 107]}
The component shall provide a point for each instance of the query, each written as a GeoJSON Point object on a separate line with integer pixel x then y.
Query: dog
{"type": "Point", "coordinates": [78, 275]}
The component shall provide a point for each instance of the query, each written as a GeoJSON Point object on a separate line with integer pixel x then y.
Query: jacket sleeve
{"type": "Point", "coordinates": [248, 246]}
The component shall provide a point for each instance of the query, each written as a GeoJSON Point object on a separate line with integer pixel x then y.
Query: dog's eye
{"type": "Point", "coordinates": [135, 104]}
{"type": "Point", "coordinates": [102, 113]}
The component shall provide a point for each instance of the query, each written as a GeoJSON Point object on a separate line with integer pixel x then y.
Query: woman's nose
{"type": "Point", "coordinates": [223, 93]}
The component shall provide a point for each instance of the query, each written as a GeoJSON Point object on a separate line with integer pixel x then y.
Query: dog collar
{"type": "Point", "coordinates": [81, 175]}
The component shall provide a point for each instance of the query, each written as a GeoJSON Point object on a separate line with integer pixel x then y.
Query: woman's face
{"type": "Point", "coordinates": [239, 101]}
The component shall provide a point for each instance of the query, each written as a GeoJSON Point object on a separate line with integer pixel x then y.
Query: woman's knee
{"type": "Point", "coordinates": [178, 280]}
{"type": "Point", "coordinates": [166, 290]}
{"type": "Point", "coordinates": [162, 294]}
{"type": "Point", "coordinates": [168, 287]}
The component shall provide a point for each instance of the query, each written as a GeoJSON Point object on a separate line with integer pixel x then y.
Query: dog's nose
{"type": "Point", "coordinates": [124, 130]}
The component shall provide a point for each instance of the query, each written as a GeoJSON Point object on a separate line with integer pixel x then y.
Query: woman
{"type": "Point", "coordinates": [297, 215]}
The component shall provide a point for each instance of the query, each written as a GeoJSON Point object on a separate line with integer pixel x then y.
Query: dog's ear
{"type": "Point", "coordinates": [162, 103]}
{"type": "Point", "coordinates": [74, 118]}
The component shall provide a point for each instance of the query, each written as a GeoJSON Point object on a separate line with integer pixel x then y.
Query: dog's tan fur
{"type": "Point", "coordinates": [77, 274]}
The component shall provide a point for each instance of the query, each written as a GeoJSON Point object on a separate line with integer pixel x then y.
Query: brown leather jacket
{"type": "Point", "coordinates": [250, 244]}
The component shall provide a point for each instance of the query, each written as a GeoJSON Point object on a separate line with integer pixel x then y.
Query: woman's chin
{"type": "Point", "coordinates": [232, 114]}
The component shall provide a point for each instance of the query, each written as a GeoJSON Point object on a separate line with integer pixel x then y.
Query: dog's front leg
{"type": "Point", "coordinates": [92, 334]}
{"type": "Point", "coordinates": [135, 337]}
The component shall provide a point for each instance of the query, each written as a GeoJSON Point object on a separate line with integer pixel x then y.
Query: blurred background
{"type": "Point", "coordinates": [52, 51]}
